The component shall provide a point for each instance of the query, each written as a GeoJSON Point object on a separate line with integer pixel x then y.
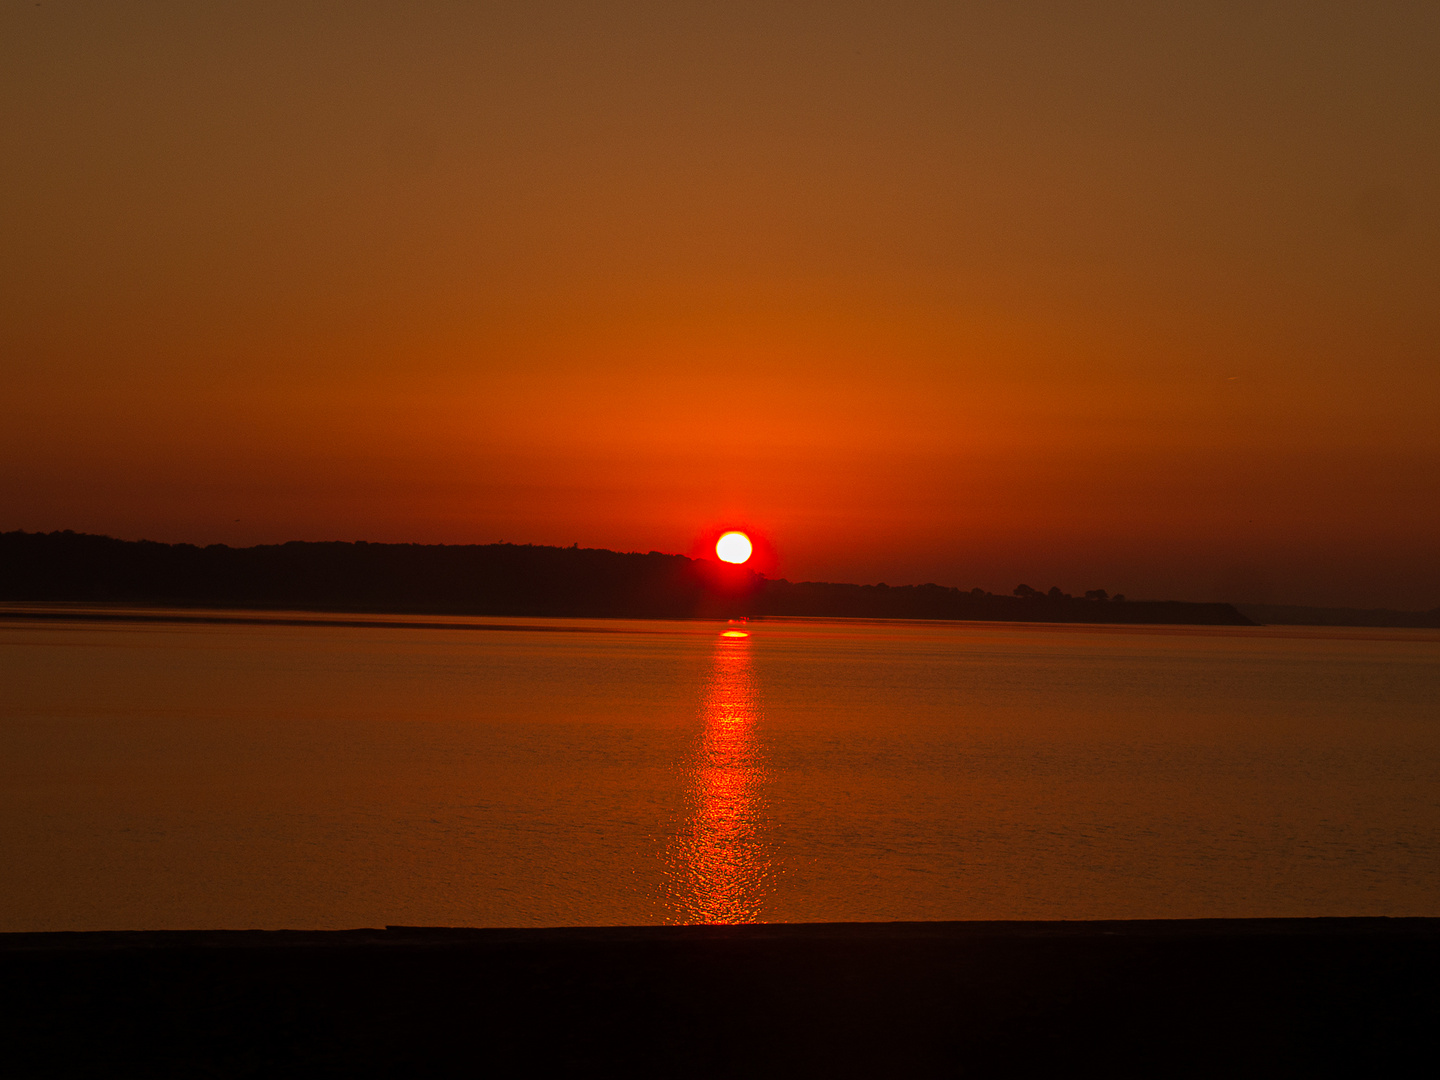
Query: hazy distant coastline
{"type": "Point", "coordinates": [504, 579]}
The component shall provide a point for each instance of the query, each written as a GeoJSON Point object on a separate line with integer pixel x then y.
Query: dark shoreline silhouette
{"type": "Point", "coordinates": [1203, 998]}
{"type": "Point", "coordinates": [1302, 615]}
{"type": "Point", "coordinates": [506, 580]}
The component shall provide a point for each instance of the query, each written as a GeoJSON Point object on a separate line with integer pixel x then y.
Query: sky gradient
{"type": "Point", "coordinates": [1096, 295]}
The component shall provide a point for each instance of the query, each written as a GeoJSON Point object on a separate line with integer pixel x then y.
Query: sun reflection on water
{"type": "Point", "coordinates": [720, 862]}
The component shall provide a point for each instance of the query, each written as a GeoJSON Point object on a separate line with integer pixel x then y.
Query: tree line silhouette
{"type": "Point", "coordinates": [507, 579]}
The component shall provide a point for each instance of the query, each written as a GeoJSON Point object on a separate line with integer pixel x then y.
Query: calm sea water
{"type": "Point", "coordinates": [552, 772]}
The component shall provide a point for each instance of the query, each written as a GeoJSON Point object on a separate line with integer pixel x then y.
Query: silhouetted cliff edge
{"type": "Point", "coordinates": [502, 579]}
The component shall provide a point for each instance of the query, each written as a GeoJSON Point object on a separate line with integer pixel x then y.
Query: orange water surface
{"type": "Point", "coordinates": [510, 772]}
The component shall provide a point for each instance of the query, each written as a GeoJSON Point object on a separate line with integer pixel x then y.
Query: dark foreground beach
{"type": "Point", "coordinates": [1157, 998]}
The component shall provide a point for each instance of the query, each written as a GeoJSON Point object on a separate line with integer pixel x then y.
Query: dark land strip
{"type": "Point", "coordinates": [506, 580]}
{"type": "Point", "coordinates": [1262, 997]}
{"type": "Point", "coordinates": [1299, 615]}
{"type": "Point", "coordinates": [251, 619]}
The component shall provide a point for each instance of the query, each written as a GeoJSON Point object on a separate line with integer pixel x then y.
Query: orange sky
{"type": "Point", "coordinates": [1078, 294]}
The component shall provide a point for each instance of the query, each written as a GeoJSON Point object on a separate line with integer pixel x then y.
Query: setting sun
{"type": "Point", "coordinates": [733, 547]}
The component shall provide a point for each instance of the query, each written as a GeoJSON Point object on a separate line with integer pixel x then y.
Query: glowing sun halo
{"type": "Point", "coordinates": [733, 547]}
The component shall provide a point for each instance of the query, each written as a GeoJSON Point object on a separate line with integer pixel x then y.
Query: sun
{"type": "Point", "coordinates": [734, 547]}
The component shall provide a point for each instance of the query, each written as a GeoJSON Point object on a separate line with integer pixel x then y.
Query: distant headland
{"type": "Point", "coordinates": [508, 580]}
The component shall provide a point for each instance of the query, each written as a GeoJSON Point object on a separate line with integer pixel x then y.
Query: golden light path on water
{"type": "Point", "coordinates": [721, 862]}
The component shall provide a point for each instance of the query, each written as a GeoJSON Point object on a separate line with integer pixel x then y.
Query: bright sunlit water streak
{"type": "Point", "coordinates": [555, 772]}
{"type": "Point", "coordinates": [720, 864]}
